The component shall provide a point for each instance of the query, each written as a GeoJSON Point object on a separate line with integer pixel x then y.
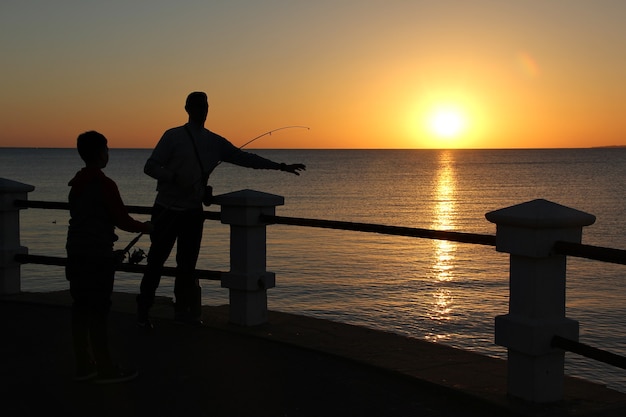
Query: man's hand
{"type": "Point", "coordinates": [293, 168]}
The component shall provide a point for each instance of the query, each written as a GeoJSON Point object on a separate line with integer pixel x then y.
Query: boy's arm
{"type": "Point", "coordinates": [116, 208]}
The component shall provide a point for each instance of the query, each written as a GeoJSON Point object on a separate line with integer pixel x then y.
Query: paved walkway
{"type": "Point", "coordinates": [292, 366]}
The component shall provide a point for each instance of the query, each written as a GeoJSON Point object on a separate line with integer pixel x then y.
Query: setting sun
{"type": "Point", "coordinates": [446, 122]}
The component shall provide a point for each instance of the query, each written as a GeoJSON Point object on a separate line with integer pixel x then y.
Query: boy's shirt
{"type": "Point", "coordinates": [96, 208]}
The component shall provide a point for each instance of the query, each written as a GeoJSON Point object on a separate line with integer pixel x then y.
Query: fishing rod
{"type": "Point", "coordinates": [132, 243]}
{"type": "Point", "coordinates": [269, 132]}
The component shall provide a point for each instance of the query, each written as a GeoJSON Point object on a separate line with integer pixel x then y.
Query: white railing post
{"type": "Point", "coordinates": [10, 280]}
{"type": "Point", "coordinates": [247, 279]}
{"type": "Point", "coordinates": [537, 295]}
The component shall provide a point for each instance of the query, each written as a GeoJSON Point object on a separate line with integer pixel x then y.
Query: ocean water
{"type": "Point", "coordinates": [440, 291]}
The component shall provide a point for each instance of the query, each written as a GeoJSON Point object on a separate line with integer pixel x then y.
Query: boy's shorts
{"type": "Point", "coordinates": [91, 281]}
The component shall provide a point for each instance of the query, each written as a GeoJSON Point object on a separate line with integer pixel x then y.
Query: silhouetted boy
{"type": "Point", "coordinates": [96, 208]}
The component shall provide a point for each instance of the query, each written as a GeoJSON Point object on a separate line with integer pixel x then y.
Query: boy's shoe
{"type": "Point", "coordinates": [86, 373]}
{"type": "Point", "coordinates": [145, 323]}
{"type": "Point", "coordinates": [115, 375]}
{"type": "Point", "coordinates": [187, 318]}
{"type": "Point", "coordinates": [143, 314]}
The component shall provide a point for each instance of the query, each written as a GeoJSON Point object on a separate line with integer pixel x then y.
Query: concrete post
{"type": "Point", "coordinates": [537, 295]}
{"type": "Point", "coordinates": [10, 234]}
{"type": "Point", "coordinates": [247, 279]}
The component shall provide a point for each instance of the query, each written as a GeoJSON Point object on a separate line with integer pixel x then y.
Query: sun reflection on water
{"type": "Point", "coordinates": [442, 270]}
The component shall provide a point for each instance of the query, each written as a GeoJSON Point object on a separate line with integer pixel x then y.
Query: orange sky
{"type": "Point", "coordinates": [359, 73]}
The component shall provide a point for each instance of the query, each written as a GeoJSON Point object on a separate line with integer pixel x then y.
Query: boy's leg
{"type": "Point", "coordinates": [79, 319]}
{"type": "Point", "coordinates": [99, 291]}
{"type": "Point", "coordinates": [91, 285]}
{"type": "Point", "coordinates": [100, 306]}
{"type": "Point", "coordinates": [80, 338]}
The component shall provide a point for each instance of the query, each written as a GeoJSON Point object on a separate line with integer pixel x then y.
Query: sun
{"type": "Point", "coordinates": [446, 122]}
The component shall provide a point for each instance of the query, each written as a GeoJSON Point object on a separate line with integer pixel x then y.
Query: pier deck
{"type": "Point", "coordinates": [292, 366]}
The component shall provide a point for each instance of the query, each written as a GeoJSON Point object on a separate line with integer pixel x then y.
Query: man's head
{"type": "Point", "coordinates": [92, 148]}
{"type": "Point", "coordinates": [197, 106]}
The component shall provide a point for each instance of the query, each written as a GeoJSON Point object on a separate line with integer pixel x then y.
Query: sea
{"type": "Point", "coordinates": [435, 290]}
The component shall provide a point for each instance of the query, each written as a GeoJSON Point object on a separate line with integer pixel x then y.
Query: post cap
{"type": "Point", "coordinates": [249, 198]}
{"type": "Point", "coordinates": [540, 214]}
{"type": "Point", "coordinates": [10, 186]}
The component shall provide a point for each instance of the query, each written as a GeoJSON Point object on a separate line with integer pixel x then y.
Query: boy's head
{"type": "Point", "coordinates": [92, 147]}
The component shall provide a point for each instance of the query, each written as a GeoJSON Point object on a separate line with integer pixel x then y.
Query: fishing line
{"type": "Point", "coordinates": [132, 243]}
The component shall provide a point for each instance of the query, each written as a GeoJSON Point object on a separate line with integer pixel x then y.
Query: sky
{"type": "Point", "coordinates": [358, 73]}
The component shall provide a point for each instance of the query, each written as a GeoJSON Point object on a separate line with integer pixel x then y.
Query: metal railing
{"type": "Point", "coordinates": [602, 254]}
{"type": "Point", "coordinates": [609, 255]}
{"type": "Point", "coordinates": [598, 253]}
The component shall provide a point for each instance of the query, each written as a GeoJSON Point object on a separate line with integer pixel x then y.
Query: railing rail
{"type": "Point", "coordinates": [596, 253]}
{"type": "Point", "coordinates": [125, 267]}
{"type": "Point", "coordinates": [474, 238]}
{"type": "Point", "coordinates": [590, 352]}
{"type": "Point", "coordinates": [57, 205]}
{"type": "Point", "coordinates": [579, 250]}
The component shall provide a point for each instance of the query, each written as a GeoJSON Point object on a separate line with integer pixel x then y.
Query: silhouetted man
{"type": "Point", "coordinates": [181, 163]}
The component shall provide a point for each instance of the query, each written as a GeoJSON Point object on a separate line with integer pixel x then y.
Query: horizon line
{"type": "Point", "coordinates": [353, 149]}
